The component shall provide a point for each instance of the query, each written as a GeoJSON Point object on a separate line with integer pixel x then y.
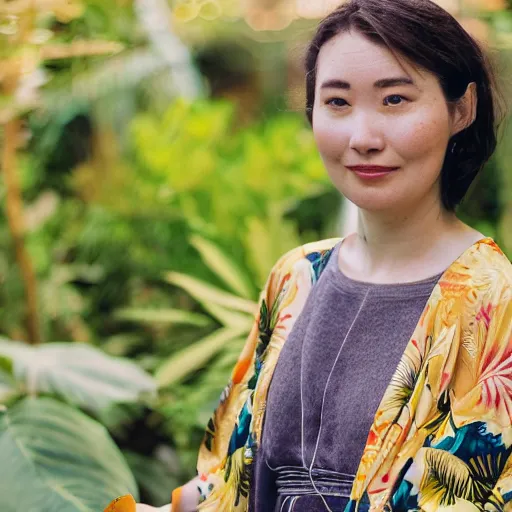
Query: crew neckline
{"type": "Point", "coordinates": [392, 290]}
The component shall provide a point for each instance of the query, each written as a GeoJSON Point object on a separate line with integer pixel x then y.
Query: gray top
{"type": "Point", "coordinates": [368, 360]}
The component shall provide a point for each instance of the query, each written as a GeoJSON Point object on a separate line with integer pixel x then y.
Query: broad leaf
{"type": "Point", "coordinates": [267, 239]}
{"type": "Point", "coordinates": [58, 459]}
{"type": "Point", "coordinates": [192, 358]}
{"type": "Point", "coordinates": [204, 293]}
{"type": "Point", "coordinates": [78, 373]}
{"type": "Point", "coordinates": [230, 318]}
{"type": "Point", "coordinates": [258, 245]}
{"type": "Point", "coordinates": [224, 267]}
{"type": "Point", "coordinates": [171, 316]}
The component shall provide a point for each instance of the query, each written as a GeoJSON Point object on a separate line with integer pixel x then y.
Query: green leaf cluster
{"type": "Point", "coordinates": [54, 455]}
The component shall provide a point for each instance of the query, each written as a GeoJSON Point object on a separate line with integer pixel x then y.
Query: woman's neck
{"type": "Point", "coordinates": [405, 247]}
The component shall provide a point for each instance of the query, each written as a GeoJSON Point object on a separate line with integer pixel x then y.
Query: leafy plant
{"type": "Point", "coordinates": [58, 457]}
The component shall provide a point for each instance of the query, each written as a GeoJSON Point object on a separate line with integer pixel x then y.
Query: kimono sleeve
{"type": "Point", "coordinates": [483, 412]}
{"type": "Point", "coordinates": [465, 462]}
{"type": "Point", "coordinates": [497, 376]}
{"type": "Point", "coordinates": [219, 431]}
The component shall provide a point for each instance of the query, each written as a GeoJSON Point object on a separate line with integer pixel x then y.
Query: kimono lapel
{"type": "Point", "coordinates": [294, 291]}
{"type": "Point", "coordinates": [412, 406]}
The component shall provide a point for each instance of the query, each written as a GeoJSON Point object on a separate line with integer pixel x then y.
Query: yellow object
{"type": "Point", "coordinates": [122, 504]}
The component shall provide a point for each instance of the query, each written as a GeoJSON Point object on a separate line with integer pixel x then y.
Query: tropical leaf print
{"type": "Point", "coordinates": [265, 328]}
{"type": "Point", "coordinates": [319, 261]}
{"type": "Point", "coordinates": [242, 428]}
{"type": "Point", "coordinates": [496, 380]}
{"type": "Point", "coordinates": [402, 385]}
{"type": "Point", "coordinates": [209, 435]}
{"type": "Point", "coordinates": [446, 478]}
{"type": "Point", "coordinates": [238, 472]}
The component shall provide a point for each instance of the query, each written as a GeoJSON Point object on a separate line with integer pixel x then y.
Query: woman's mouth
{"type": "Point", "coordinates": [371, 171]}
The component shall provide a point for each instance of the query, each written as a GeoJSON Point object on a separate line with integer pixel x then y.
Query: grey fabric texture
{"type": "Point", "coordinates": [368, 360]}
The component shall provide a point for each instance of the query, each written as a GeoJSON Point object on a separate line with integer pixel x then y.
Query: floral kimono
{"type": "Point", "coordinates": [441, 439]}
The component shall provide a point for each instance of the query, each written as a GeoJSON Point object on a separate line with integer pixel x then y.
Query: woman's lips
{"type": "Point", "coordinates": [371, 171]}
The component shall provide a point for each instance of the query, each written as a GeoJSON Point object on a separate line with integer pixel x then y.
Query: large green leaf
{"type": "Point", "coordinates": [192, 358]}
{"type": "Point", "coordinates": [204, 293]}
{"type": "Point", "coordinates": [230, 318]}
{"type": "Point", "coordinates": [55, 458]}
{"type": "Point", "coordinates": [171, 316]}
{"type": "Point", "coordinates": [267, 239]}
{"type": "Point", "coordinates": [78, 373]}
{"type": "Point", "coordinates": [224, 267]}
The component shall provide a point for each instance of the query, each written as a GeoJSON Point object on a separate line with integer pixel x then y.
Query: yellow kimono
{"type": "Point", "coordinates": [442, 437]}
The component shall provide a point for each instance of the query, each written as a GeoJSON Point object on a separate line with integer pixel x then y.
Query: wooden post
{"type": "Point", "coordinates": [15, 219]}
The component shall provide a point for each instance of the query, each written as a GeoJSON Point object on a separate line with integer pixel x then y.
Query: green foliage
{"type": "Point", "coordinates": [157, 254]}
{"type": "Point", "coordinates": [79, 374]}
{"type": "Point", "coordinates": [219, 179]}
{"type": "Point", "coordinates": [54, 456]}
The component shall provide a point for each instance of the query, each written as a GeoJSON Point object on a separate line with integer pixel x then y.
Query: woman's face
{"type": "Point", "coordinates": [403, 124]}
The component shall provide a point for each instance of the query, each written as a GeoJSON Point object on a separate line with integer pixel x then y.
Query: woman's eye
{"type": "Point", "coordinates": [337, 102]}
{"type": "Point", "coordinates": [394, 99]}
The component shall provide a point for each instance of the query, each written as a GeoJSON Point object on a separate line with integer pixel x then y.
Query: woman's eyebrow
{"type": "Point", "coordinates": [379, 84]}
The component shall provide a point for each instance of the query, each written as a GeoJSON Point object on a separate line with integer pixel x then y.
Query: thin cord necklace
{"type": "Point", "coordinates": [310, 468]}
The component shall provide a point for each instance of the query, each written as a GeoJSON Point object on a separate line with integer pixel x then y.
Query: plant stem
{"type": "Point", "coordinates": [15, 219]}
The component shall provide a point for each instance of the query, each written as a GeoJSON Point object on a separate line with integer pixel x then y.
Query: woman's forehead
{"type": "Point", "coordinates": [350, 56]}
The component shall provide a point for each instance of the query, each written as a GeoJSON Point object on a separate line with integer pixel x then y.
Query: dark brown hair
{"type": "Point", "coordinates": [432, 39]}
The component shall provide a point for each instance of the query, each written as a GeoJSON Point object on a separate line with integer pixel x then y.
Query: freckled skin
{"type": "Point", "coordinates": [365, 126]}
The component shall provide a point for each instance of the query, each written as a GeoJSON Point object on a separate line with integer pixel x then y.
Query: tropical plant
{"type": "Point", "coordinates": [233, 310]}
{"type": "Point", "coordinates": [192, 378]}
{"type": "Point", "coordinates": [28, 41]}
{"type": "Point", "coordinates": [55, 456]}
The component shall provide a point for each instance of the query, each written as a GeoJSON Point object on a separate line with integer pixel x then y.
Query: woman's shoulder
{"type": "Point", "coordinates": [310, 257]}
{"type": "Point", "coordinates": [481, 276]}
{"type": "Point", "coordinates": [487, 263]}
{"type": "Point", "coordinates": [306, 254]}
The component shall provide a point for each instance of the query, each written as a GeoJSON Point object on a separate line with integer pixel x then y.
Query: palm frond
{"type": "Point", "coordinates": [446, 478]}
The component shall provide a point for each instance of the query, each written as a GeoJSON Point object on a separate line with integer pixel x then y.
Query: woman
{"type": "Point", "coordinates": [378, 374]}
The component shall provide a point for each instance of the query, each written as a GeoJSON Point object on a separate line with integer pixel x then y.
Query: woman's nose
{"type": "Point", "coordinates": [366, 135]}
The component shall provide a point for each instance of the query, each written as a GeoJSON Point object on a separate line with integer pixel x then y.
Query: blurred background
{"type": "Point", "coordinates": [155, 163]}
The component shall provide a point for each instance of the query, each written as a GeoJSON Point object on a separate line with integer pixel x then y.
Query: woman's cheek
{"type": "Point", "coordinates": [416, 136]}
{"type": "Point", "coordinates": [330, 139]}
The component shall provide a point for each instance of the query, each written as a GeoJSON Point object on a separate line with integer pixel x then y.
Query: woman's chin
{"type": "Point", "coordinates": [375, 202]}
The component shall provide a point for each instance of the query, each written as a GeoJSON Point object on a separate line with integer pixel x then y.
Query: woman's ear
{"type": "Point", "coordinates": [465, 110]}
